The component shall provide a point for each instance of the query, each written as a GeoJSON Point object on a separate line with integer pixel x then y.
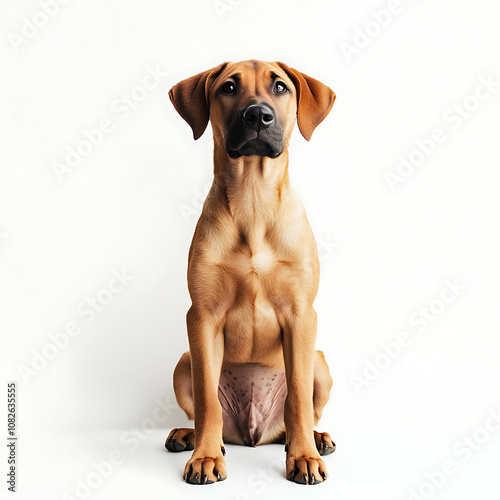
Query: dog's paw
{"type": "Point", "coordinates": [324, 443]}
{"type": "Point", "coordinates": [180, 440]}
{"type": "Point", "coordinates": [205, 470]}
{"type": "Point", "coordinates": [305, 470]}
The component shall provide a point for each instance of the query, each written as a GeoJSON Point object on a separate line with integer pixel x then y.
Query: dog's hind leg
{"type": "Point", "coordinates": [322, 385]}
{"type": "Point", "coordinates": [183, 385]}
{"type": "Point", "coordinates": [183, 439]}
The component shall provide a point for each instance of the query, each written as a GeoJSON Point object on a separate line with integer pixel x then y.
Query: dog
{"type": "Point", "coordinates": [252, 375]}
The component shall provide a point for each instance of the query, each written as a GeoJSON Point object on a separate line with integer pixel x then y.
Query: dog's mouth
{"type": "Point", "coordinates": [257, 146]}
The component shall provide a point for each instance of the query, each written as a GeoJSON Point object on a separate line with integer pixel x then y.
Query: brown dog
{"type": "Point", "coordinates": [252, 375]}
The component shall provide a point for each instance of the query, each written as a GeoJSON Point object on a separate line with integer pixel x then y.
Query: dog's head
{"type": "Point", "coordinates": [252, 105]}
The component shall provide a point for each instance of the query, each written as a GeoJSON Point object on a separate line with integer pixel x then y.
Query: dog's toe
{"type": "Point", "coordinates": [305, 470]}
{"type": "Point", "coordinates": [178, 446]}
{"type": "Point", "coordinates": [324, 443]}
{"type": "Point", "coordinates": [205, 470]}
{"type": "Point", "coordinates": [180, 440]}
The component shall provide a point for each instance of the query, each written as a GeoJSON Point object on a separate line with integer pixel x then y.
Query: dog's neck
{"type": "Point", "coordinates": [253, 189]}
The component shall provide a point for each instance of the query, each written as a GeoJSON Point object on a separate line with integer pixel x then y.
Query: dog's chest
{"type": "Point", "coordinates": [251, 323]}
{"type": "Point", "coordinates": [252, 264]}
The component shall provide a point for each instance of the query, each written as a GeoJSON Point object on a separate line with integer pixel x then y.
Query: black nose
{"type": "Point", "coordinates": [258, 116]}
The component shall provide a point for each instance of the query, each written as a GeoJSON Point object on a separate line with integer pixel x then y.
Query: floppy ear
{"type": "Point", "coordinates": [190, 99]}
{"type": "Point", "coordinates": [314, 100]}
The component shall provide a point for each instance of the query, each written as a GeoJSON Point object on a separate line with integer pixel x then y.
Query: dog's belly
{"type": "Point", "coordinates": [252, 397]}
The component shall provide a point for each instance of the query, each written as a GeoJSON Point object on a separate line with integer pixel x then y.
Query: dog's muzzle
{"type": "Point", "coordinates": [256, 130]}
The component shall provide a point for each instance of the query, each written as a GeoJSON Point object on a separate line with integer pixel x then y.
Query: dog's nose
{"type": "Point", "coordinates": [258, 116]}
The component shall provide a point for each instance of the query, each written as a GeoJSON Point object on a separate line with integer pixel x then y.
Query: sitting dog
{"type": "Point", "coordinates": [252, 375]}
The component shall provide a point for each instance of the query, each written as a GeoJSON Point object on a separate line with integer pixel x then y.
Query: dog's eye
{"type": "Point", "coordinates": [229, 88]}
{"type": "Point", "coordinates": [280, 88]}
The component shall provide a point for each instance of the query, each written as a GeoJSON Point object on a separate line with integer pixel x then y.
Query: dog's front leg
{"type": "Point", "coordinates": [303, 462]}
{"type": "Point", "coordinates": [206, 344]}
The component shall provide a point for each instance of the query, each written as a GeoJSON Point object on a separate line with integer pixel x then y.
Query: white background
{"type": "Point", "coordinates": [132, 204]}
